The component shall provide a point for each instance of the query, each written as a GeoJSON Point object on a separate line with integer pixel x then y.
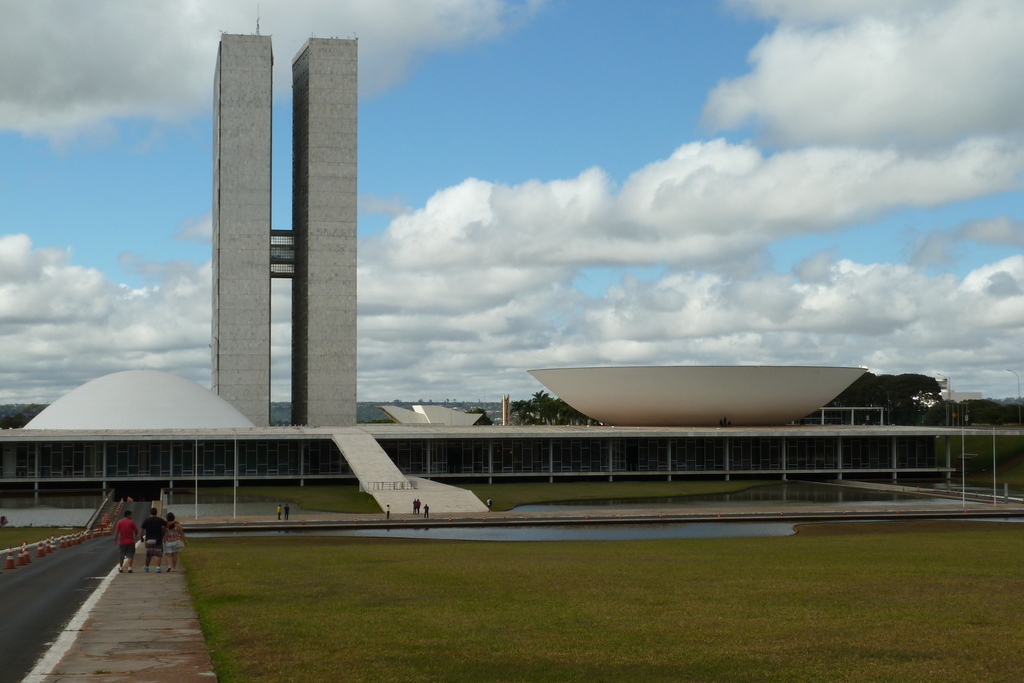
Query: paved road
{"type": "Point", "coordinates": [38, 599]}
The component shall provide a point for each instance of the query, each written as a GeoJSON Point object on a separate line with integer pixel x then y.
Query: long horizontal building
{"type": "Point", "coordinates": [169, 457]}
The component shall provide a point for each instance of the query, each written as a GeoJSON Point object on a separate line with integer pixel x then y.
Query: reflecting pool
{"type": "Point", "coordinates": [568, 532]}
{"type": "Point", "coordinates": [44, 508]}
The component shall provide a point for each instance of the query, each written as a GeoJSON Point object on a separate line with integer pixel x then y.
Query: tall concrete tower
{"type": "Point", "coordinates": [243, 94]}
{"type": "Point", "coordinates": [325, 96]}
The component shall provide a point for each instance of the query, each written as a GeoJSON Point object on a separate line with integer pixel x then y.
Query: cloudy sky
{"type": "Point", "coordinates": [543, 183]}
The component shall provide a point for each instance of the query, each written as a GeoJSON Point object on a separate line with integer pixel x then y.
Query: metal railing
{"type": "Point", "coordinates": [390, 485]}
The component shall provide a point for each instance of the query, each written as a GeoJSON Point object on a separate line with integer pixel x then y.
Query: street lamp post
{"type": "Point", "coordinates": [1018, 395]}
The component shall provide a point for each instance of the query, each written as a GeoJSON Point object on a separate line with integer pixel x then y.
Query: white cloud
{"type": "Point", "coordinates": [62, 325]}
{"type": "Point", "coordinates": [195, 228]}
{"type": "Point", "coordinates": [711, 204]}
{"type": "Point", "coordinates": [998, 230]}
{"type": "Point", "coordinates": [68, 67]}
{"type": "Point", "coordinates": [867, 72]}
{"type": "Point", "coordinates": [387, 206]}
{"type": "Point", "coordinates": [893, 318]}
{"type": "Point", "coordinates": [471, 331]}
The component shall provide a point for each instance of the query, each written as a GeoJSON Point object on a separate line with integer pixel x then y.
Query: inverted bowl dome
{"type": "Point", "coordinates": [683, 396]}
{"type": "Point", "coordinates": [140, 399]}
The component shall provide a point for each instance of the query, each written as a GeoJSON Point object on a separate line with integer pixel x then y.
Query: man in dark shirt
{"type": "Point", "coordinates": [153, 529]}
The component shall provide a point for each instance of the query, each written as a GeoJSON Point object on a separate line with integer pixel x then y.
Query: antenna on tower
{"type": "Point", "coordinates": [257, 18]}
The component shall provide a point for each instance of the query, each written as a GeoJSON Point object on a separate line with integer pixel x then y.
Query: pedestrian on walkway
{"type": "Point", "coordinates": [174, 541]}
{"type": "Point", "coordinates": [126, 533]}
{"type": "Point", "coordinates": [426, 512]}
{"type": "Point", "coordinates": [279, 512]}
{"type": "Point", "coordinates": [286, 511]}
{"type": "Point", "coordinates": [387, 513]}
{"type": "Point", "coordinates": [488, 504]}
{"type": "Point", "coordinates": [153, 526]}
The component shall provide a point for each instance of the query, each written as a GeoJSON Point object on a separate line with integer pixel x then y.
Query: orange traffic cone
{"type": "Point", "coordinates": [10, 560]}
{"type": "Point", "coordinates": [40, 549]}
{"type": "Point", "coordinates": [25, 559]}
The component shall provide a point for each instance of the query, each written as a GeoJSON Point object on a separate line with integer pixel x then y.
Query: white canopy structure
{"type": "Point", "coordinates": [695, 396]}
{"type": "Point", "coordinates": [140, 399]}
{"type": "Point", "coordinates": [431, 415]}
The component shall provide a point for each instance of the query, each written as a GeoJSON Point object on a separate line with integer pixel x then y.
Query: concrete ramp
{"type": "Point", "coordinates": [379, 476]}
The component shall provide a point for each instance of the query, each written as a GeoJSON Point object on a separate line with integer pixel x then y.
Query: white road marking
{"type": "Point", "coordinates": [59, 648]}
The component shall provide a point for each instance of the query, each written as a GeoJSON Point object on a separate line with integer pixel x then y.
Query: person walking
{"type": "Point", "coordinates": [174, 541]}
{"type": "Point", "coordinates": [426, 512]}
{"type": "Point", "coordinates": [286, 511]}
{"type": "Point", "coordinates": [488, 504]}
{"type": "Point", "coordinates": [126, 534]}
{"type": "Point", "coordinates": [387, 512]}
{"type": "Point", "coordinates": [279, 512]}
{"type": "Point", "coordinates": [153, 526]}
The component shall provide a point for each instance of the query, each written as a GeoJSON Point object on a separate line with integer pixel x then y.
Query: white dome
{"type": "Point", "coordinates": [140, 399]}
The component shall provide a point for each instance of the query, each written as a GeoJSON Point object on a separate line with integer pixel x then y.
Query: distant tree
{"type": "Point", "coordinates": [13, 421]}
{"type": "Point", "coordinates": [543, 408]}
{"type": "Point", "coordinates": [522, 413]}
{"type": "Point", "coordinates": [907, 398]}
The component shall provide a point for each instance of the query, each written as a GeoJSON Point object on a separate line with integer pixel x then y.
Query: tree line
{"type": "Point", "coordinates": [912, 399]}
{"type": "Point", "coordinates": [544, 409]}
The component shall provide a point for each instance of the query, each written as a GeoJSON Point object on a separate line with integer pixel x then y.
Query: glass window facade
{"type": "Point", "coordinates": [170, 459]}
{"type": "Point", "coordinates": [669, 454]}
{"type": "Point", "coordinates": [427, 457]}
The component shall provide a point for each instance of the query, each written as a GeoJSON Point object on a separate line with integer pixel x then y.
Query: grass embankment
{"type": "Point", "coordinates": [344, 498]}
{"type": "Point", "coordinates": [945, 604]}
{"type": "Point", "coordinates": [507, 496]}
{"type": "Point", "coordinates": [12, 536]}
{"type": "Point", "coordinates": [1009, 457]}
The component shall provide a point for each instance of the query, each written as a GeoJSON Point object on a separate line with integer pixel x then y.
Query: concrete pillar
{"type": "Point", "coordinates": [949, 445]}
{"type": "Point", "coordinates": [785, 464]}
{"type": "Point", "coordinates": [728, 463]}
{"type": "Point", "coordinates": [894, 461]}
{"type": "Point", "coordinates": [839, 453]}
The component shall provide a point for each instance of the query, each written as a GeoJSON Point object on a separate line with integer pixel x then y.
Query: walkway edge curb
{"type": "Point", "coordinates": [44, 667]}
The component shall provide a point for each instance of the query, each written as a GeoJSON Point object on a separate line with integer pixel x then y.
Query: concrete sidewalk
{"type": "Point", "coordinates": [143, 629]}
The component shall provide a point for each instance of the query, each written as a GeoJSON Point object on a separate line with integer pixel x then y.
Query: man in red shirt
{"type": "Point", "coordinates": [126, 534]}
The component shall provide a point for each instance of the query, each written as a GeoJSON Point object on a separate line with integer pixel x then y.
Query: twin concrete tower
{"type": "Point", "coordinates": [318, 253]}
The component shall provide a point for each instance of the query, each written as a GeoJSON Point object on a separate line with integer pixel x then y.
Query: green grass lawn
{"type": "Point", "coordinates": [913, 601]}
{"type": "Point", "coordinates": [11, 536]}
{"type": "Point", "coordinates": [1009, 457]}
{"type": "Point", "coordinates": [507, 496]}
{"type": "Point", "coordinates": [341, 498]}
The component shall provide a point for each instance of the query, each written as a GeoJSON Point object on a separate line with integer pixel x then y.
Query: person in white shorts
{"type": "Point", "coordinates": [174, 541]}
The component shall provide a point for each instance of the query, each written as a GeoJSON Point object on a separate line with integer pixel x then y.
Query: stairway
{"type": "Point", "coordinates": [379, 476]}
